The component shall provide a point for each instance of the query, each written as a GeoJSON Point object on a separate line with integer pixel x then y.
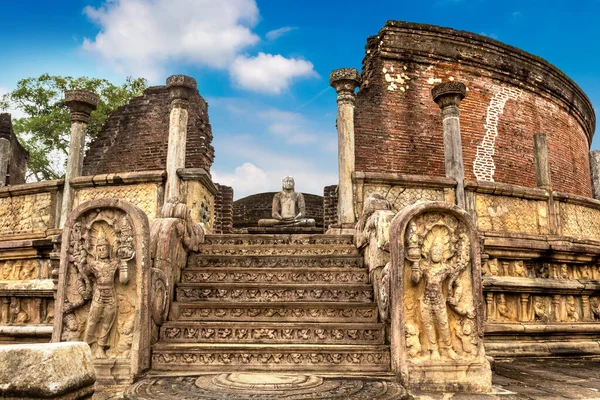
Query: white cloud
{"type": "Point", "coordinates": [142, 37]}
{"type": "Point", "coordinates": [277, 33]}
{"type": "Point", "coordinates": [268, 73]}
{"type": "Point", "coordinates": [263, 169]}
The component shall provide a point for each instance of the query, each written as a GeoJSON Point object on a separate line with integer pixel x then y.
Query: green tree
{"type": "Point", "coordinates": [44, 131]}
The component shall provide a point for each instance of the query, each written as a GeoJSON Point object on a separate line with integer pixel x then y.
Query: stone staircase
{"type": "Point", "coordinates": [273, 303]}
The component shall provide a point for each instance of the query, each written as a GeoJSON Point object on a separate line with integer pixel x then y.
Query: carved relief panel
{"type": "Point", "coordinates": [17, 310]}
{"type": "Point", "coordinates": [101, 281]}
{"type": "Point", "coordinates": [435, 301]}
{"type": "Point", "coordinates": [541, 308]}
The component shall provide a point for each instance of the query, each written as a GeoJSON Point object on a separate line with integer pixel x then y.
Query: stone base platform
{"type": "Point", "coordinates": [265, 386]}
{"type": "Point", "coordinates": [271, 230]}
{"type": "Point", "coordinates": [513, 379]}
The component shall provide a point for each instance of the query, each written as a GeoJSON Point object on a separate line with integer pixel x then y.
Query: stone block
{"type": "Point", "coordinates": [50, 371]}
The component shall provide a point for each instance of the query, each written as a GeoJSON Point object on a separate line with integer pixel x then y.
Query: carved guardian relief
{"type": "Point", "coordinates": [99, 295]}
{"type": "Point", "coordinates": [437, 281]}
{"type": "Point", "coordinates": [436, 300]}
{"type": "Point", "coordinates": [101, 281]}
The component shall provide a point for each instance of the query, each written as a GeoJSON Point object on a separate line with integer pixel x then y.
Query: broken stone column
{"type": "Point", "coordinates": [181, 88]}
{"type": "Point", "coordinates": [448, 96]}
{"type": "Point", "coordinates": [344, 81]}
{"type": "Point", "coordinates": [81, 103]}
{"type": "Point", "coordinates": [5, 150]}
{"type": "Point", "coordinates": [540, 155]}
{"type": "Point", "coordinates": [595, 170]}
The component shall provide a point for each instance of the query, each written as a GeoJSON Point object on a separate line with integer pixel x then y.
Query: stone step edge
{"type": "Point", "coordinates": [282, 286]}
{"type": "Point", "coordinates": [252, 324]}
{"type": "Point", "coordinates": [368, 309]}
{"type": "Point", "coordinates": [161, 346]}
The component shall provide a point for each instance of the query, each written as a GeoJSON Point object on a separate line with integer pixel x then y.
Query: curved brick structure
{"type": "Point", "coordinates": [511, 95]}
{"type": "Point", "coordinates": [135, 136]}
{"type": "Point", "coordinates": [247, 211]}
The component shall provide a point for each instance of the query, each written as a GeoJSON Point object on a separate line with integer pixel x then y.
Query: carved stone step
{"type": "Point", "coordinates": [259, 357]}
{"type": "Point", "coordinates": [272, 333]}
{"type": "Point", "coordinates": [274, 312]}
{"type": "Point", "coordinates": [279, 240]}
{"type": "Point", "coordinates": [197, 260]}
{"type": "Point", "coordinates": [274, 275]}
{"type": "Point", "coordinates": [235, 292]}
{"type": "Point", "coordinates": [285, 250]}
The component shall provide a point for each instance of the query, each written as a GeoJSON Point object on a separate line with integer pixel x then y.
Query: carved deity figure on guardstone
{"type": "Point", "coordinates": [289, 208]}
{"type": "Point", "coordinates": [103, 310]}
{"type": "Point", "coordinates": [444, 255]}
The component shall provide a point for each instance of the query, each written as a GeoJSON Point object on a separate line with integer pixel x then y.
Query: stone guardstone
{"type": "Point", "coordinates": [48, 370]}
{"type": "Point", "coordinates": [436, 300]}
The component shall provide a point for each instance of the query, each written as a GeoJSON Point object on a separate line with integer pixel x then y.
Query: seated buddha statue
{"type": "Point", "coordinates": [289, 208]}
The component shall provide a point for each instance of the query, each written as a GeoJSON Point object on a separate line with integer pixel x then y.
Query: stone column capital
{"type": "Point", "coordinates": [344, 81]}
{"type": "Point", "coordinates": [81, 103]}
{"type": "Point", "coordinates": [181, 88]}
{"type": "Point", "coordinates": [449, 94]}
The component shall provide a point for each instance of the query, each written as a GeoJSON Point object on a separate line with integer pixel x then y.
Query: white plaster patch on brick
{"type": "Point", "coordinates": [483, 166]}
{"type": "Point", "coordinates": [433, 80]}
{"type": "Point", "coordinates": [395, 80]}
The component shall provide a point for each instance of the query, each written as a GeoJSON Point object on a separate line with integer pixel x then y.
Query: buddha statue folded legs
{"type": "Point", "coordinates": [289, 208]}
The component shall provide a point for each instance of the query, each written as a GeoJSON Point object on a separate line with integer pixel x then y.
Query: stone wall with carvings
{"type": "Point", "coordinates": [511, 214]}
{"type": "Point", "coordinates": [144, 195]}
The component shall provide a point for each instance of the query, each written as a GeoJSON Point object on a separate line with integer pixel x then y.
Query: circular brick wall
{"type": "Point", "coordinates": [247, 211]}
{"type": "Point", "coordinates": [511, 96]}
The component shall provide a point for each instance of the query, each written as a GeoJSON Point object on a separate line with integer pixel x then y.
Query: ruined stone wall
{"type": "Point", "coordinates": [17, 155]}
{"type": "Point", "coordinates": [135, 136]}
{"type": "Point", "coordinates": [330, 203]}
{"type": "Point", "coordinates": [511, 96]}
{"type": "Point", "coordinates": [247, 211]}
{"type": "Point", "coordinates": [223, 209]}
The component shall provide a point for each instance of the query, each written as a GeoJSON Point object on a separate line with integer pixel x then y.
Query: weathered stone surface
{"type": "Point", "coordinates": [437, 336]}
{"type": "Point", "coordinates": [104, 285]}
{"type": "Point", "coordinates": [273, 386]}
{"type": "Point", "coordinates": [54, 370]}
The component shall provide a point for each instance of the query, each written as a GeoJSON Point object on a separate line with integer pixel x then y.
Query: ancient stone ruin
{"type": "Point", "coordinates": [473, 233]}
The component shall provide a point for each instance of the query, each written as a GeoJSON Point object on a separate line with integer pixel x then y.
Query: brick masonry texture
{"type": "Point", "coordinates": [135, 136]}
{"type": "Point", "coordinates": [330, 204]}
{"type": "Point", "coordinates": [511, 96]}
{"type": "Point", "coordinates": [18, 160]}
{"type": "Point", "coordinates": [247, 211]}
{"type": "Point", "coordinates": [223, 210]}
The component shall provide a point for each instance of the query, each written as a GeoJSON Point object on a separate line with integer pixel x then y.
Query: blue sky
{"type": "Point", "coordinates": [263, 65]}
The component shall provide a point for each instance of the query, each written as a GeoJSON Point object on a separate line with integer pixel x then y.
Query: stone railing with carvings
{"type": "Point", "coordinates": [28, 222]}
{"type": "Point", "coordinates": [401, 190]}
{"type": "Point", "coordinates": [541, 274]}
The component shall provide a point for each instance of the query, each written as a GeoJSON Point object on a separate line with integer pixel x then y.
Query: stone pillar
{"type": "Point", "coordinates": [81, 103]}
{"type": "Point", "coordinates": [344, 81]}
{"type": "Point", "coordinates": [181, 88]}
{"type": "Point", "coordinates": [585, 307]}
{"type": "Point", "coordinates": [5, 151]}
{"type": "Point", "coordinates": [595, 169]}
{"type": "Point", "coordinates": [448, 96]}
{"type": "Point", "coordinates": [524, 315]}
{"type": "Point", "coordinates": [540, 155]}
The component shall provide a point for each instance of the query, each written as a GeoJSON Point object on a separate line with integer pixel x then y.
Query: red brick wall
{"type": "Point", "coordinates": [330, 205]}
{"type": "Point", "coordinates": [135, 136]}
{"type": "Point", "coordinates": [17, 164]}
{"type": "Point", "coordinates": [403, 126]}
{"type": "Point", "coordinates": [223, 210]}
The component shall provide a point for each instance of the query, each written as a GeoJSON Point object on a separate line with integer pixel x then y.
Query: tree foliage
{"type": "Point", "coordinates": [44, 131]}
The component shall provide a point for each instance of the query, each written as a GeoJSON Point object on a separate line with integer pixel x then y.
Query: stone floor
{"type": "Point", "coordinates": [513, 379]}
